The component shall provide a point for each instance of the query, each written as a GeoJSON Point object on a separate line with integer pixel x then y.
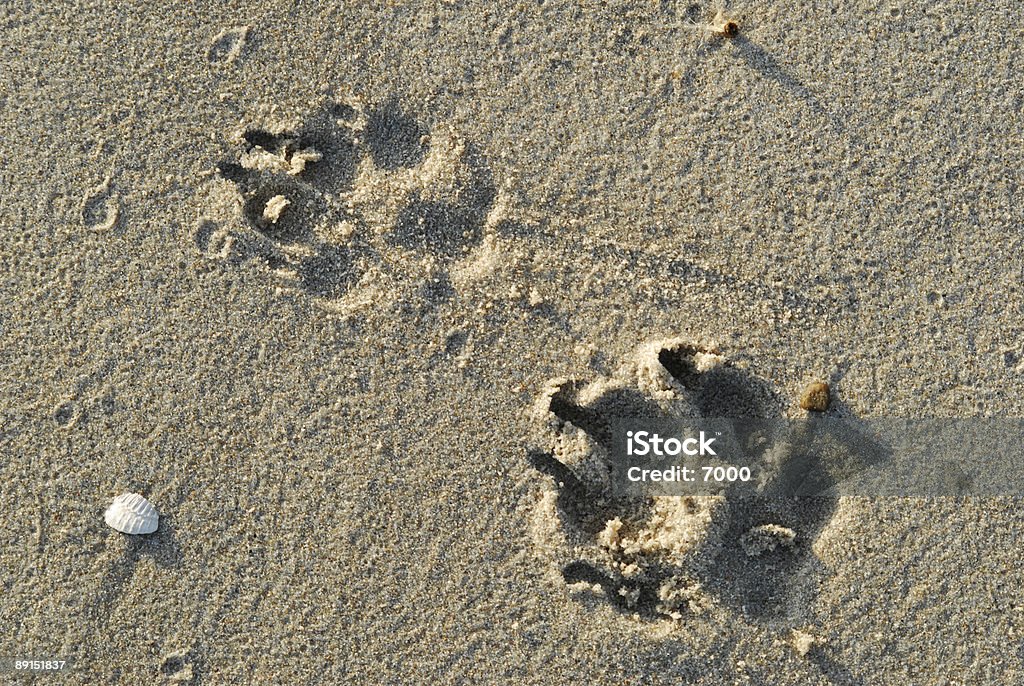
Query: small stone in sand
{"type": "Point", "coordinates": [816, 397]}
{"type": "Point", "coordinates": [275, 206]}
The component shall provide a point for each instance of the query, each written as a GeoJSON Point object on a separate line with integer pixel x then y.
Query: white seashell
{"type": "Point", "coordinates": [132, 514]}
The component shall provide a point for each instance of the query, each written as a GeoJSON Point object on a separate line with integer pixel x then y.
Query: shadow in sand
{"type": "Point", "coordinates": [777, 586]}
{"type": "Point", "coordinates": [768, 66]}
{"type": "Point", "coordinates": [835, 672]}
{"type": "Point", "coordinates": [763, 62]}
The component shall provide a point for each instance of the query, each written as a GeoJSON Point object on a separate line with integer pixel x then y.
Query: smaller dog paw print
{"type": "Point", "coordinates": [352, 202]}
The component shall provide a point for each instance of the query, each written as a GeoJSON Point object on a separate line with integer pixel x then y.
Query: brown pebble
{"type": "Point", "coordinates": [816, 397]}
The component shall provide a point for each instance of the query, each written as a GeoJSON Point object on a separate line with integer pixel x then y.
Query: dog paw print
{"type": "Point", "coordinates": [351, 202]}
{"type": "Point", "coordinates": [663, 557]}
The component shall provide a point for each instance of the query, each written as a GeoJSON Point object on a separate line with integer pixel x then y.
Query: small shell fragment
{"type": "Point", "coordinates": [130, 513]}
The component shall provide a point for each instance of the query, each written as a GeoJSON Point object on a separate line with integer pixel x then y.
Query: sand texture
{"type": "Point", "coordinates": [349, 292]}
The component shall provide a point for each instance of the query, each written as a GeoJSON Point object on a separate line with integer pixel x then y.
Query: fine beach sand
{"type": "Point", "coordinates": [305, 276]}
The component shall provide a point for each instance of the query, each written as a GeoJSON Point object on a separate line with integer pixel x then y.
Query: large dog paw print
{"type": "Point", "coordinates": [663, 556]}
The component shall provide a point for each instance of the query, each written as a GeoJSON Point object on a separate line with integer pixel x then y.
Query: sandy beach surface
{"type": "Point", "coordinates": [315, 278]}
